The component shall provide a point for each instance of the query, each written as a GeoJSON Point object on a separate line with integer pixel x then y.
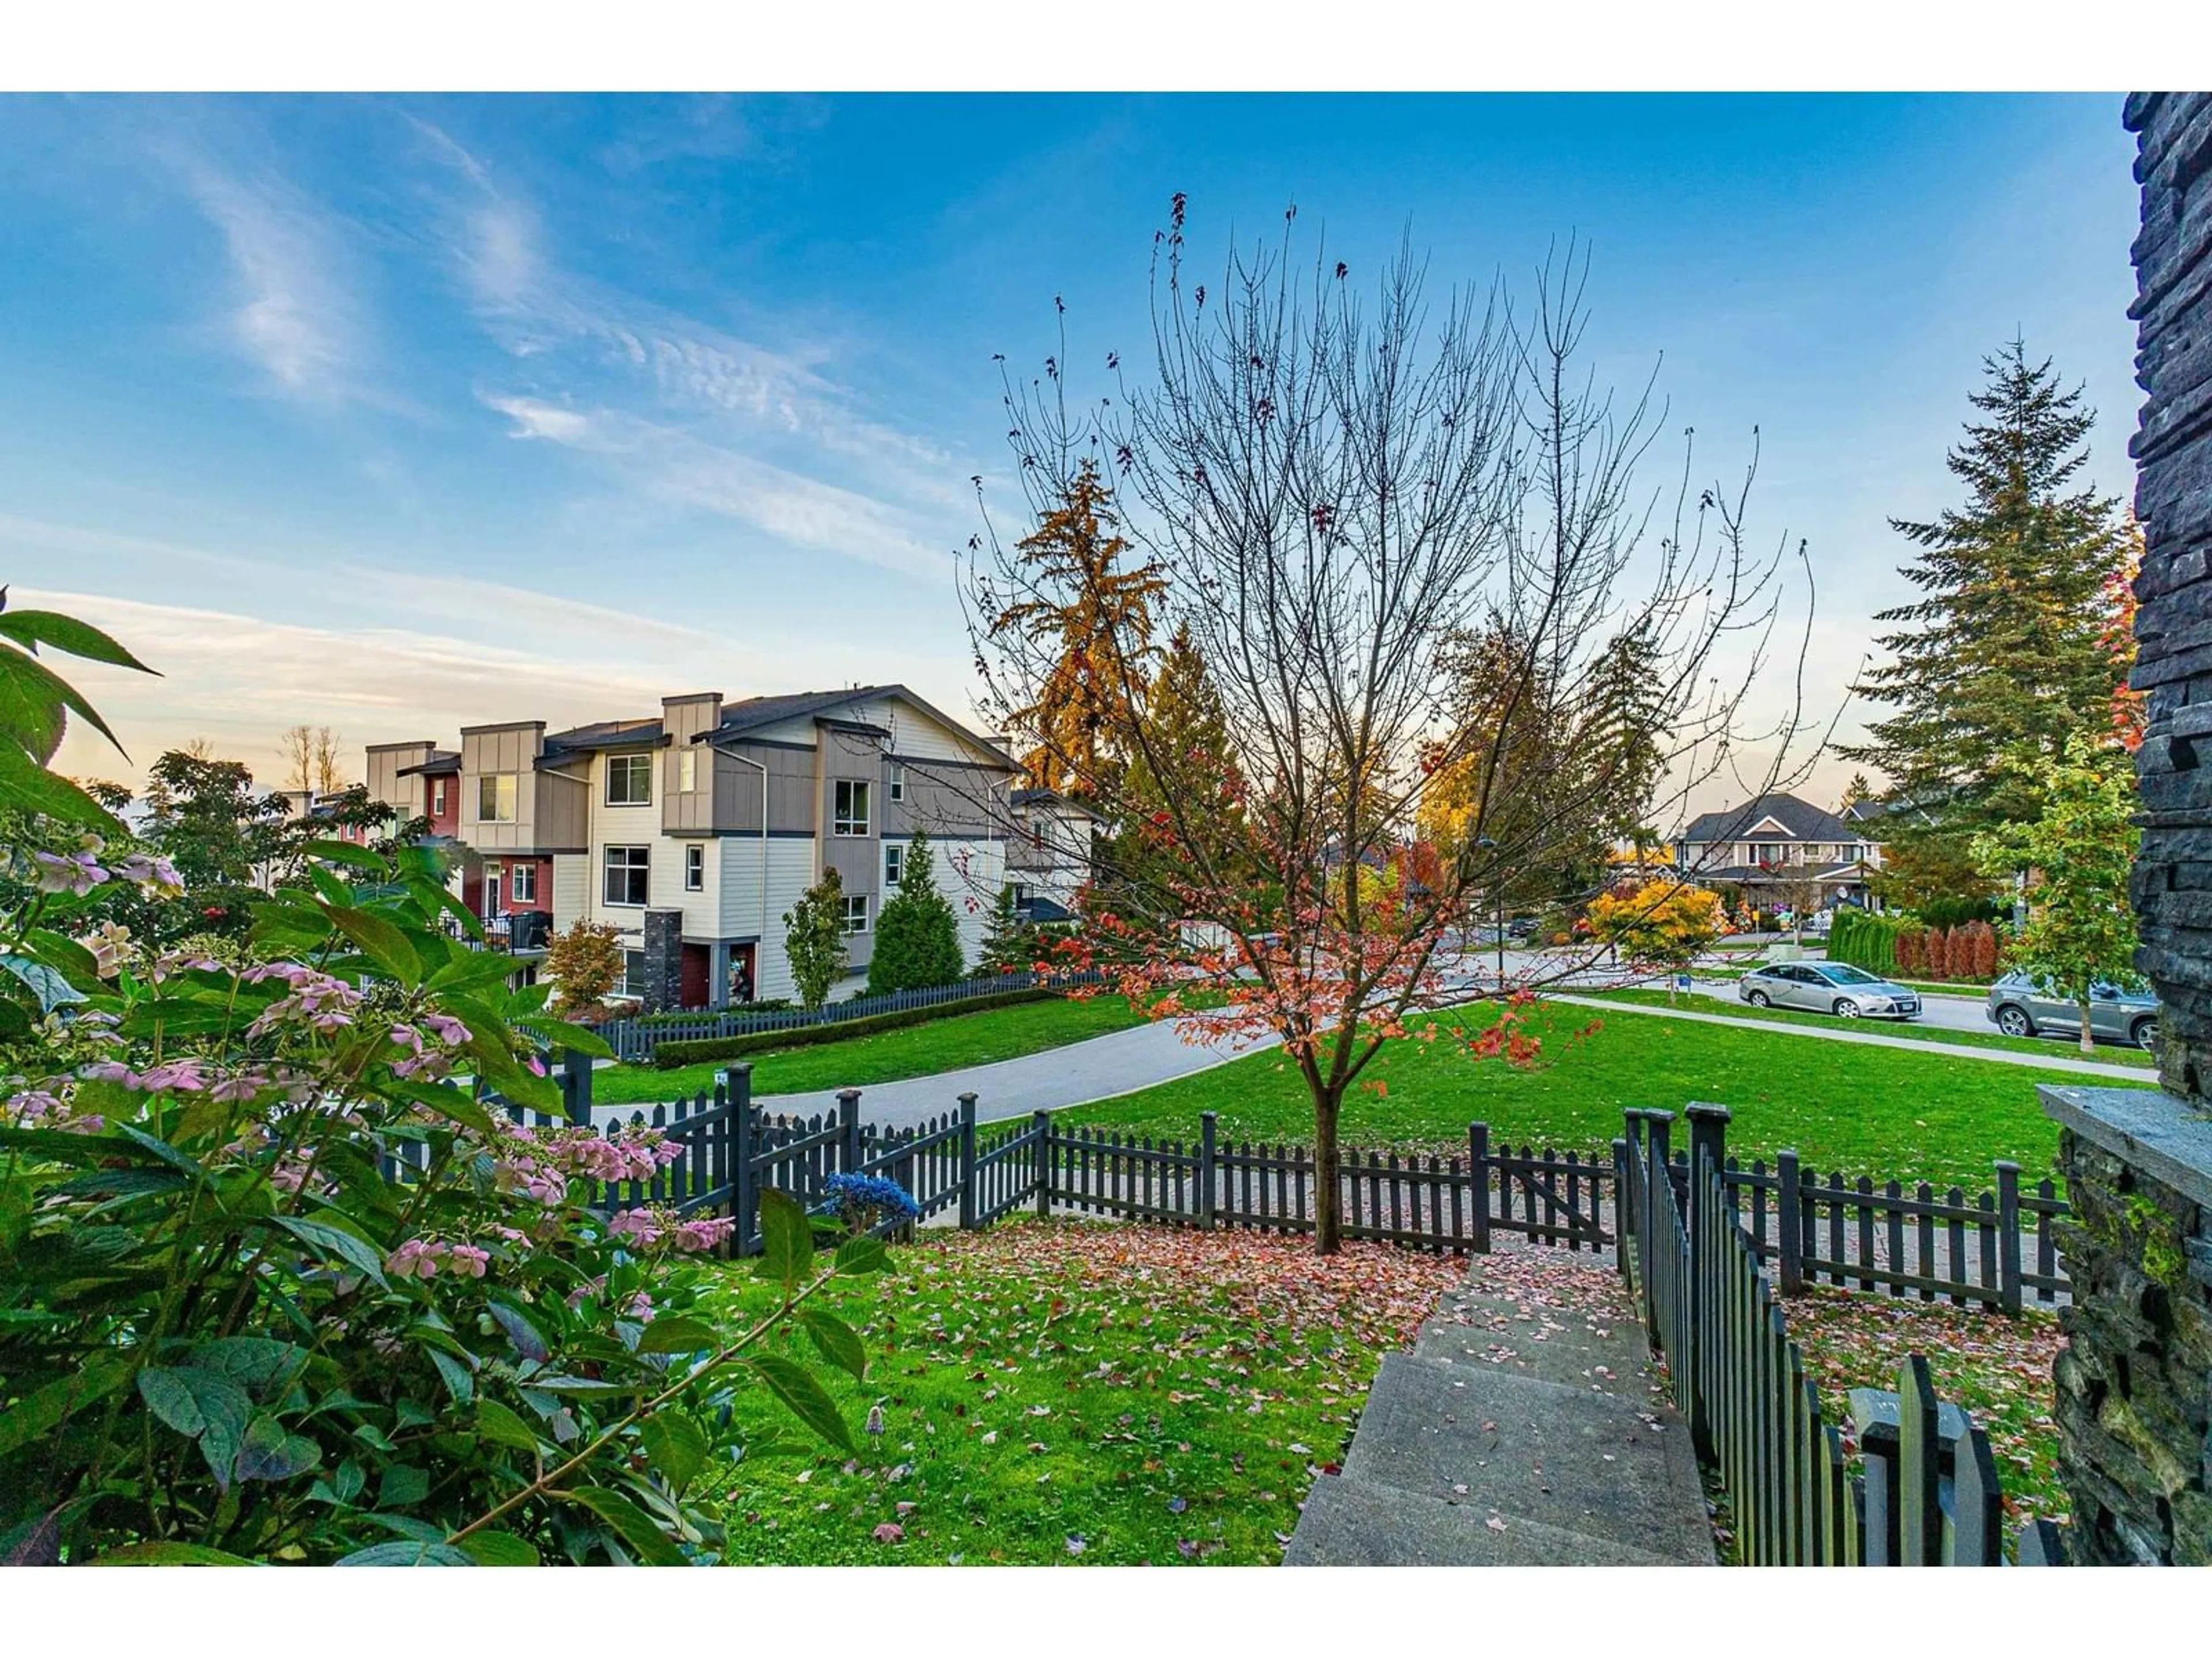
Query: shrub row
{"type": "Point", "coordinates": [666, 1056]}
{"type": "Point", "coordinates": [1864, 939]}
{"type": "Point", "coordinates": [1901, 944]}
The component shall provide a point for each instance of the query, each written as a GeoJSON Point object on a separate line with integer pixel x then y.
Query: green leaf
{"type": "Point", "coordinates": [676, 1446]}
{"type": "Point", "coordinates": [58, 951]}
{"type": "Point", "coordinates": [202, 1406]}
{"type": "Point", "coordinates": [170, 1553]}
{"type": "Point", "coordinates": [810, 1402]}
{"type": "Point", "coordinates": [786, 1240]}
{"type": "Point", "coordinates": [43, 1410]}
{"type": "Point", "coordinates": [520, 1332]}
{"type": "Point", "coordinates": [356, 1253]}
{"type": "Point", "coordinates": [561, 1033]}
{"type": "Point", "coordinates": [678, 1334]}
{"type": "Point", "coordinates": [459, 1382]}
{"type": "Point", "coordinates": [38, 628]}
{"type": "Point", "coordinates": [631, 1524]}
{"type": "Point", "coordinates": [863, 1254]}
{"type": "Point", "coordinates": [30, 788]}
{"type": "Point", "coordinates": [837, 1342]}
{"type": "Point", "coordinates": [268, 1453]}
{"type": "Point", "coordinates": [500, 1549]}
{"type": "Point", "coordinates": [260, 1364]}
{"type": "Point", "coordinates": [344, 852]}
{"type": "Point", "coordinates": [496, 1423]}
{"type": "Point", "coordinates": [160, 1148]}
{"type": "Point", "coordinates": [52, 989]}
{"type": "Point", "coordinates": [408, 1553]}
{"type": "Point", "coordinates": [380, 941]}
{"type": "Point", "coordinates": [403, 1486]}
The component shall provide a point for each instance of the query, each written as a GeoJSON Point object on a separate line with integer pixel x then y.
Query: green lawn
{"type": "Point", "coordinates": [1061, 1392]}
{"type": "Point", "coordinates": [937, 1045]}
{"type": "Point", "coordinates": [1915, 1115]}
{"type": "Point", "coordinates": [2113, 1053]}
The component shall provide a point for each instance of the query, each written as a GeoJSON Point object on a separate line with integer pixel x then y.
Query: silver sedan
{"type": "Point", "coordinates": [2018, 1006]}
{"type": "Point", "coordinates": [1828, 987]}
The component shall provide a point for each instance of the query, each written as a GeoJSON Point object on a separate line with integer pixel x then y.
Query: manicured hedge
{"type": "Point", "coordinates": [1864, 939]}
{"type": "Point", "coordinates": [667, 1056]}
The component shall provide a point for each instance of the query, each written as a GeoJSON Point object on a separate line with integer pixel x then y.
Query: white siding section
{"type": "Point", "coordinates": [916, 734]}
{"type": "Point", "coordinates": [571, 891]}
{"type": "Point", "coordinates": [790, 872]}
{"type": "Point", "coordinates": [970, 874]}
{"type": "Point", "coordinates": [800, 730]}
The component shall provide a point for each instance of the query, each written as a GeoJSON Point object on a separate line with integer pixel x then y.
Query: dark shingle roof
{"type": "Point", "coordinates": [439, 760]}
{"type": "Point", "coordinates": [605, 734]}
{"type": "Point", "coordinates": [1802, 820]}
{"type": "Point", "coordinates": [753, 713]}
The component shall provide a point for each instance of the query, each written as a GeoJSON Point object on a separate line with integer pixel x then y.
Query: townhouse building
{"type": "Point", "coordinates": [692, 832]}
{"type": "Point", "coordinates": [1777, 838]}
{"type": "Point", "coordinates": [1051, 856]}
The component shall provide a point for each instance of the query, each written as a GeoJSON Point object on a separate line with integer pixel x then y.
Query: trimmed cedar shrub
{"type": "Point", "coordinates": [666, 1056]}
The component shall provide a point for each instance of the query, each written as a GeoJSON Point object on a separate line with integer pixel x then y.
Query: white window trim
{"type": "Point", "coordinates": [627, 763]}
{"type": "Point", "coordinates": [438, 797]}
{"type": "Point", "coordinates": [851, 826]}
{"type": "Point", "coordinates": [687, 771]}
{"type": "Point", "coordinates": [861, 901]}
{"type": "Point", "coordinates": [607, 868]}
{"type": "Point", "coordinates": [519, 876]}
{"type": "Point", "coordinates": [898, 783]}
{"type": "Point", "coordinates": [695, 867]}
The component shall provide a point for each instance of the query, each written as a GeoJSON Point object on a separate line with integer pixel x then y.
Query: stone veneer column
{"type": "Point", "coordinates": [664, 961]}
{"type": "Point", "coordinates": [2135, 1384]}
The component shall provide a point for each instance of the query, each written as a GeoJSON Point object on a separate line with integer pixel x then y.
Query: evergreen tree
{"type": "Point", "coordinates": [814, 938]}
{"type": "Point", "coordinates": [1186, 767]}
{"type": "Point", "coordinates": [1010, 943]}
{"type": "Point", "coordinates": [1096, 617]}
{"type": "Point", "coordinates": [2003, 652]}
{"type": "Point", "coordinates": [917, 935]}
{"type": "Point", "coordinates": [1856, 792]}
{"type": "Point", "coordinates": [1617, 741]}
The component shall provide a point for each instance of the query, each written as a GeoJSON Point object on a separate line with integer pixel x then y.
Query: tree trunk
{"type": "Point", "coordinates": [2088, 1037]}
{"type": "Point", "coordinates": [1328, 1195]}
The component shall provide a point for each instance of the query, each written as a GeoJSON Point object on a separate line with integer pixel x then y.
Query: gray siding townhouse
{"type": "Point", "coordinates": [692, 833]}
{"type": "Point", "coordinates": [1052, 855]}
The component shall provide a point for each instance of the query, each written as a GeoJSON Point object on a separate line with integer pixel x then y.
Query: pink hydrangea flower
{"type": "Point", "coordinates": [68, 872]}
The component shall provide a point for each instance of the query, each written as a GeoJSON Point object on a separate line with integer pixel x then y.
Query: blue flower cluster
{"type": "Point", "coordinates": [858, 1192]}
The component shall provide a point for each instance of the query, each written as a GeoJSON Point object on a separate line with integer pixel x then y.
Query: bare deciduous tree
{"type": "Point", "coordinates": [1341, 493]}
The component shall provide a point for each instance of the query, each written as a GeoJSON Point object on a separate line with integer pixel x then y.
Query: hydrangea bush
{"type": "Point", "coordinates": [276, 1284]}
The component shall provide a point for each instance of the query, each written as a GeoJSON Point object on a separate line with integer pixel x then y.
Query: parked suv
{"type": "Point", "coordinates": [1830, 988]}
{"type": "Point", "coordinates": [2020, 1007]}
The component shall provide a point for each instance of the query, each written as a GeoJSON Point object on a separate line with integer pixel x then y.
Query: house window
{"type": "Point", "coordinates": [633, 978]}
{"type": "Point", "coordinates": [894, 863]}
{"type": "Point", "coordinates": [1023, 896]}
{"type": "Point", "coordinates": [630, 780]}
{"type": "Point", "coordinates": [495, 797]}
{"type": "Point", "coordinates": [852, 814]}
{"type": "Point", "coordinates": [898, 783]}
{"type": "Point", "coordinates": [522, 884]}
{"type": "Point", "coordinates": [695, 868]}
{"type": "Point", "coordinates": [687, 771]}
{"type": "Point", "coordinates": [627, 872]}
{"type": "Point", "coordinates": [437, 798]}
{"type": "Point", "coordinates": [856, 913]}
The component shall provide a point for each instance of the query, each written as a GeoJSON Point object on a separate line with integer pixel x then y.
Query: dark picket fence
{"type": "Point", "coordinates": [635, 1039]}
{"type": "Point", "coordinates": [1927, 1494]}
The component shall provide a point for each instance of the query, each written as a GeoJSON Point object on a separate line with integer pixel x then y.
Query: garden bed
{"type": "Point", "coordinates": [1080, 1392]}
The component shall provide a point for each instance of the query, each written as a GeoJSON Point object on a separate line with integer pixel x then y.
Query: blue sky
{"type": "Point", "coordinates": [395, 414]}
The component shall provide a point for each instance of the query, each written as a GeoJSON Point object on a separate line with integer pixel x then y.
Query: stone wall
{"type": "Point", "coordinates": [2173, 498]}
{"type": "Point", "coordinates": [662, 989]}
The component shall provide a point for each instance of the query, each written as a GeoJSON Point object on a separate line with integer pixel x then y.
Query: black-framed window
{"type": "Point", "coordinates": [851, 816]}
{"type": "Point", "coordinates": [629, 779]}
{"type": "Point", "coordinates": [633, 978]}
{"type": "Point", "coordinates": [695, 868]}
{"type": "Point", "coordinates": [522, 884]}
{"type": "Point", "coordinates": [495, 797]}
{"type": "Point", "coordinates": [628, 873]}
{"type": "Point", "coordinates": [898, 783]}
{"type": "Point", "coordinates": [894, 863]}
{"type": "Point", "coordinates": [856, 913]}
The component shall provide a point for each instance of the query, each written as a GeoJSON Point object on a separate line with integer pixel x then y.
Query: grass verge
{"type": "Point", "coordinates": [2110, 1053]}
{"type": "Point", "coordinates": [939, 1045]}
{"type": "Point", "coordinates": [1917, 1114]}
{"type": "Point", "coordinates": [1059, 1392]}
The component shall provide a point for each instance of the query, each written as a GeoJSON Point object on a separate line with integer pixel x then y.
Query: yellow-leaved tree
{"type": "Point", "coordinates": [1664, 923]}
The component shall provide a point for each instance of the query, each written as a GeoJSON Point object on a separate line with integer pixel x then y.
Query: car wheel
{"type": "Point", "coordinates": [1758, 1000]}
{"type": "Point", "coordinates": [1846, 1009]}
{"type": "Point", "coordinates": [2144, 1033]}
{"type": "Point", "coordinates": [2014, 1023]}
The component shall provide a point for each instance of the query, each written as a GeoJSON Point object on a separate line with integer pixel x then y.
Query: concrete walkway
{"type": "Point", "coordinates": [1845, 1033]}
{"type": "Point", "coordinates": [1518, 1432]}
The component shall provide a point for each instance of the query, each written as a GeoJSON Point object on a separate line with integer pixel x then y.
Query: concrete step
{"type": "Point", "coordinates": [1548, 1344]}
{"type": "Point", "coordinates": [1350, 1523]}
{"type": "Point", "coordinates": [1484, 1439]}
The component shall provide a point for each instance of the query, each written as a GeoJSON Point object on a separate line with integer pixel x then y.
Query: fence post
{"type": "Point", "coordinates": [1041, 1125]}
{"type": "Point", "coordinates": [1789, 1220]}
{"type": "Point", "coordinates": [967, 1161]}
{"type": "Point", "coordinates": [848, 1122]}
{"type": "Point", "coordinates": [1620, 1225]}
{"type": "Point", "coordinates": [1708, 1151]}
{"type": "Point", "coordinates": [1658, 1189]}
{"type": "Point", "coordinates": [1206, 1125]}
{"type": "Point", "coordinates": [744, 1197]}
{"type": "Point", "coordinates": [2008, 1276]}
{"type": "Point", "coordinates": [1478, 1182]}
{"type": "Point", "coordinates": [1920, 1518]}
{"type": "Point", "coordinates": [575, 1083]}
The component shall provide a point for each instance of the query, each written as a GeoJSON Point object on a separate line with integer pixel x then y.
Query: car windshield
{"type": "Point", "coordinates": [1848, 975]}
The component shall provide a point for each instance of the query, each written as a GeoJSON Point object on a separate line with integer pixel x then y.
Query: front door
{"type": "Point", "coordinates": [491, 894]}
{"type": "Point", "coordinates": [692, 992]}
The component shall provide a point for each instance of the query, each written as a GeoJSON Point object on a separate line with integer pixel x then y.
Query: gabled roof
{"type": "Point", "coordinates": [1023, 799]}
{"type": "Point", "coordinates": [1800, 820]}
{"type": "Point", "coordinates": [755, 712]}
{"type": "Point", "coordinates": [439, 763]}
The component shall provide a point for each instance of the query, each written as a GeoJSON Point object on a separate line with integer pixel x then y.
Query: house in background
{"type": "Point", "coordinates": [1775, 839]}
{"type": "Point", "coordinates": [693, 832]}
{"type": "Point", "coordinates": [1052, 855]}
